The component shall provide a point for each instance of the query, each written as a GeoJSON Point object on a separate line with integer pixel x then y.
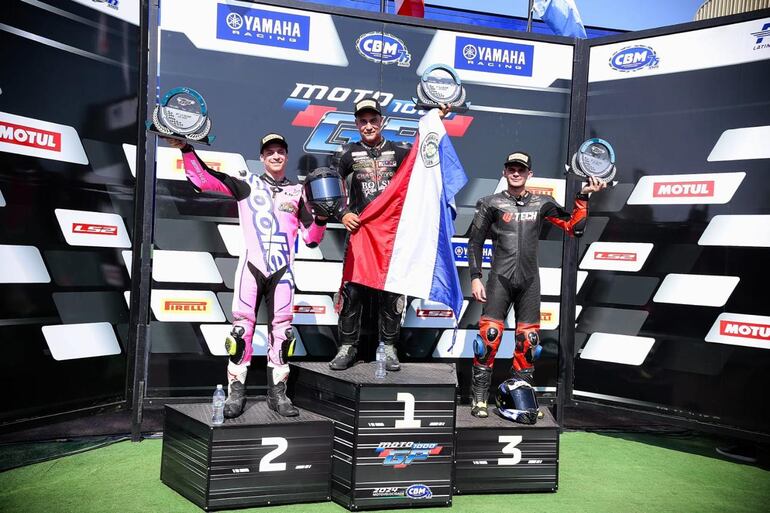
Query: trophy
{"type": "Point", "coordinates": [596, 158]}
{"type": "Point", "coordinates": [182, 114]}
{"type": "Point", "coordinates": [440, 84]}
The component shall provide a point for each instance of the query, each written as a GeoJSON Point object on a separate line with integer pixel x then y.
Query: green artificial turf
{"type": "Point", "coordinates": [598, 473]}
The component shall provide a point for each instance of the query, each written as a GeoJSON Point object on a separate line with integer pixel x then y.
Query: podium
{"type": "Point", "coordinates": [260, 458]}
{"type": "Point", "coordinates": [495, 455]}
{"type": "Point", "coordinates": [393, 438]}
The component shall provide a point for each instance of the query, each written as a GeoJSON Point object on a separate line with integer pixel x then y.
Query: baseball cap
{"type": "Point", "coordinates": [368, 104]}
{"type": "Point", "coordinates": [273, 138]}
{"type": "Point", "coordinates": [519, 157]}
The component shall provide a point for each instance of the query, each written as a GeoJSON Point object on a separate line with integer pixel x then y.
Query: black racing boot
{"type": "Point", "coordinates": [391, 358]}
{"type": "Point", "coordinates": [527, 375]}
{"type": "Point", "coordinates": [276, 397]}
{"type": "Point", "coordinates": [346, 357]}
{"type": "Point", "coordinates": [482, 377]}
{"type": "Point", "coordinates": [236, 400]}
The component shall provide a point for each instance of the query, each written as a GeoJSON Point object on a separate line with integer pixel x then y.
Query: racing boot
{"type": "Point", "coordinates": [480, 381]}
{"type": "Point", "coordinates": [236, 399]}
{"type": "Point", "coordinates": [391, 358]}
{"type": "Point", "coordinates": [346, 357]}
{"type": "Point", "coordinates": [527, 375]}
{"type": "Point", "coordinates": [276, 396]}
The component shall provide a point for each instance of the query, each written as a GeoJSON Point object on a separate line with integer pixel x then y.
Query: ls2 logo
{"type": "Point", "coordinates": [383, 48]}
{"type": "Point", "coordinates": [634, 58]}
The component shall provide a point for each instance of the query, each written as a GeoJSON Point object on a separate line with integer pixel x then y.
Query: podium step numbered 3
{"type": "Point", "coordinates": [361, 442]}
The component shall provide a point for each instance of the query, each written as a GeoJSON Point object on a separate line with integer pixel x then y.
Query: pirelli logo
{"type": "Point", "coordinates": [744, 330]}
{"type": "Point", "coordinates": [216, 166]}
{"type": "Point", "coordinates": [542, 191]}
{"type": "Point", "coordinates": [170, 305]}
{"type": "Point", "coordinates": [95, 229]}
{"type": "Point", "coordinates": [615, 255]}
{"type": "Point", "coordinates": [699, 189]}
{"type": "Point", "coordinates": [426, 313]}
{"type": "Point", "coordinates": [546, 316]}
{"type": "Point", "coordinates": [309, 309]}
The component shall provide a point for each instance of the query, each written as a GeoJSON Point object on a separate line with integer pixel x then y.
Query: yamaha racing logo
{"type": "Point", "coordinates": [261, 27]}
{"type": "Point", "coordinates": [493, 56]}
{"type": "Point", "coordinates": [383, 48]}
{"type": "Point", "coordinates": [634, 58]}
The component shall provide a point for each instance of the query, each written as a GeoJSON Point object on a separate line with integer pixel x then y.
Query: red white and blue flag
{"type": "Point", "coordinates": [410, 8]}
{"type": "Point", "coordinates": [404, 243]}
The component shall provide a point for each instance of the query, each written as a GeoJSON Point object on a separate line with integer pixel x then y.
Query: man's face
{"type": "Point", "coordinates": [274, 157]}
{"type": "Point", "coordinates": [369, 125]}
{"type": "Point", "coordinates": [516, 174]}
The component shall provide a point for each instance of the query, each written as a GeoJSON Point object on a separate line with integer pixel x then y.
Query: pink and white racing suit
{"type": "Point", "coordinates": [270, 213]}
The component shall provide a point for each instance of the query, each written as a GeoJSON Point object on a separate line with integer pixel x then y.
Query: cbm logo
{"type": "Point", "coordinates": [419, 491]}
{"type": "Point", "coordinates": [634, 58]}
{"type": "Point", "coordinates": [383, 48]}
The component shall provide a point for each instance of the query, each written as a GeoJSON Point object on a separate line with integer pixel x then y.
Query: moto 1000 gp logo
{"type": "Point", "coordinates": [383, 48]}
{"type": "Point", "coordinates": [634, 58]}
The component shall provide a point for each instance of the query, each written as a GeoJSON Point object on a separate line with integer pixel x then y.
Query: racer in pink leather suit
{"type": "Point", "coordinates": [271, 210]}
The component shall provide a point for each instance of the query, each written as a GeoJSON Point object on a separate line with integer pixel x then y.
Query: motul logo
{"type": "Point", "coordinates": [216, 166]}
{"type": "Point", "coordinates": [28, 136]}
{"type": "Point", "coordinates": [744, 329]}
{"type": "Point", "coordinates": [615, 255]}
{"type": "Point", "coordinates": [432, 314]}
{"type": "Point", "coordinates": [185, 306]}
{"type": "Point", "coordinates": [94, 229]}
{"type": "Point", "coordinates": [545, 316]}
{"type": "Point", "coordinates": [543, 191]}
{"type": "Point", "coordinates": [309, 309]}
{"type": "Point", "coordinates": [683, 189]}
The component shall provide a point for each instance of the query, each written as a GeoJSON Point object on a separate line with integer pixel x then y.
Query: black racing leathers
{"type": "Point", "coordinates": [514, 225]}
{"type": "Point", "coordinates": [370, 170]}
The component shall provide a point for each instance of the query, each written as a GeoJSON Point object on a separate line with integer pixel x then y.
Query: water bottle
{"type": "Point", "coordinates": [379, 369]}
{"type": "Point", "coordinates": [218, 405]}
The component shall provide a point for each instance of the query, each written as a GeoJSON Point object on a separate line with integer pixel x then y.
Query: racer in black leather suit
{"type": "Point", "coordinates": [370, 164]}
{"type": "Point", "coordinates": [513, 220]}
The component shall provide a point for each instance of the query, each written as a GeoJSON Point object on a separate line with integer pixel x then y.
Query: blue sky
{"type": "Point", "coordinates": [618, 14]}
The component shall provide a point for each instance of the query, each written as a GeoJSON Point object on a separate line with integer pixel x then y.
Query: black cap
{"type": "Point", "coordinates": [519, 157]}
{"type": "Point", "coordinates": [274, 138]}
{"type": "Point", "coordinates": [368, 104]}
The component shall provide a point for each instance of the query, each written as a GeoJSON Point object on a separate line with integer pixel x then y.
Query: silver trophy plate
{"type": "Point", "coordinates": [182, 113]}
{"type": "Point", "coordinates": [596, 158]}
{"type": "Point", "coordinates": [440, 84]}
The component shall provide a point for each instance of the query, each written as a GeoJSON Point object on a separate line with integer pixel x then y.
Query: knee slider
{"type": "Point", "coordinates": [287, 347]}
{"type": "Point", "coordinates": [488, 340]}
{"type": "Point", "coordinates": [528, 342]}
{"type": "Point", "coordinates": [235, 345]}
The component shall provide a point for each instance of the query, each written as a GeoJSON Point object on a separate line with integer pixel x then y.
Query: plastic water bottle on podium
{"type": "Point", "coordinates": [379, 370]}
{"type": "Point", "coordinates": [218, 405]}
